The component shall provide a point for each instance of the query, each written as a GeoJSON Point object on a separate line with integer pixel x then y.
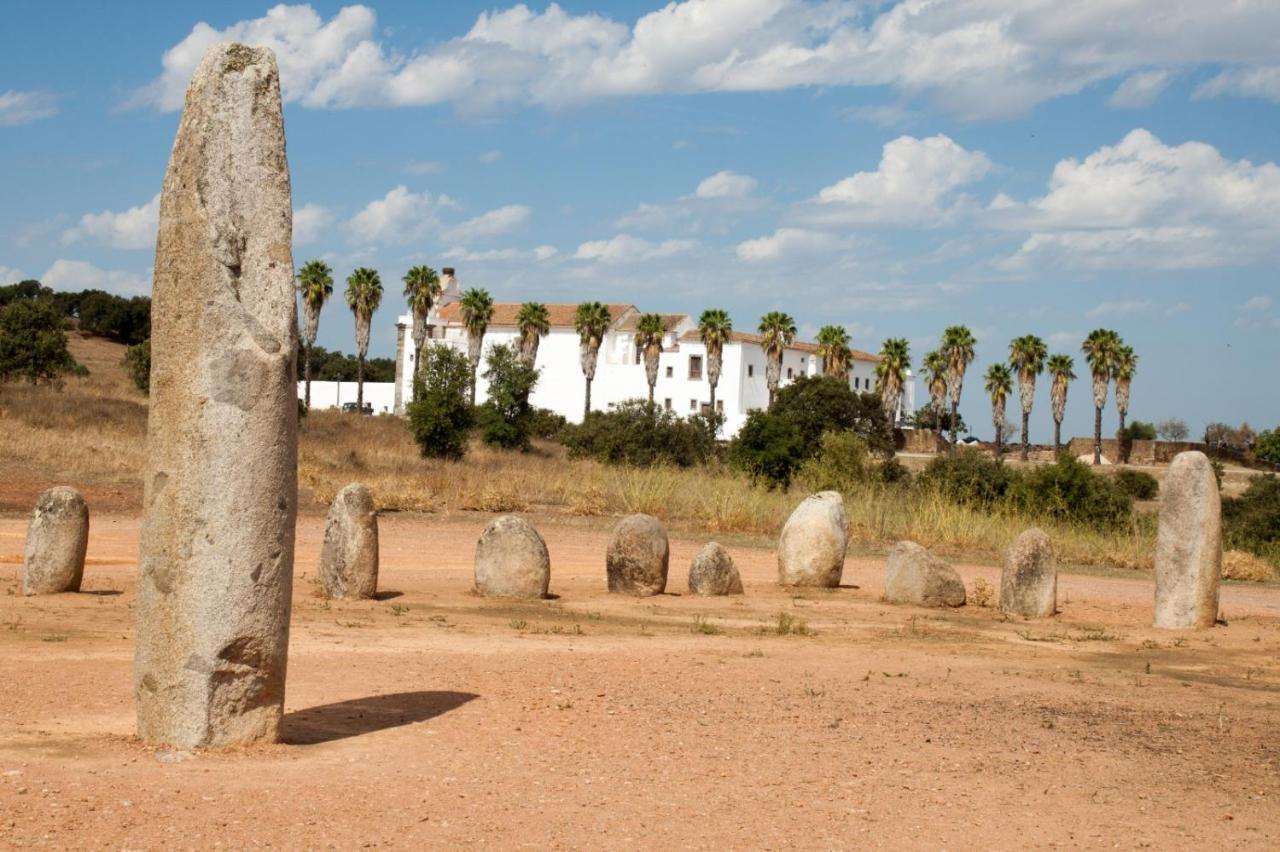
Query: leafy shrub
{"type": "Point", "coordinates": [505, 420]}
{"type": "Point", "coordinates": [1140, 431]}
{"type": "Point", "coordinates": [769, 448]}
{"type": "Point", "coordinates": [440, 414]}
{"type": "Point", "coordinates": [968, 477]}
{"type": "Point", "coordinates": [893, 471]}
{"type": "Point", "coordinates": [1137, 484]}
{"type": "Point", "coordinates": [546, 424]}
{"type": "Point", "coordinates": [926, 418]}
{"type": "Point", "coordinates": [637, 432]}
{"type": "Point", "coordinates": [815, 405]}
{"type": "Point", "coordinates": [1068, 490]}
{"type": "Point", "coordinates": [33, 345]}
{"type": "Point", "coordinates": [1267, 446]}
{"type": "Point", "coordinates": [137, 361]}
{"type": "Point", "coordinates": [1252, 521]}
{"type": "Point", "coordinates": [841, 464]}
{"type": "Point", "coordinates": [107, 315]}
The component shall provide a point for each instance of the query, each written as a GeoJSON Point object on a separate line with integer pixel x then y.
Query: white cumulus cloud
{"type": "Point", "coordinates": [490, 224]}
{"type": "Point", "coordinates": [786, 242]}
{"type": "Point", "coordinates": [400, 216]}
{"type": "Point", "coordinates": [10, 275]}
{"type": "Point", "coordinates": [625, 248]}
{"type": "Point", "coordinates": [1261, 82]}
{"type": "Point", "coordinates": [134, 228]}
{"type": "Point", "coordinates": [81, 275]}
{"type": "Point", "coordinates": [309, 221]}
{"type": "Point", "coordinates": [25, 107]}
{"type": "Point", "coordinates": [726, 184]}
{"type": "Point", "coordinates": [1140, 89]}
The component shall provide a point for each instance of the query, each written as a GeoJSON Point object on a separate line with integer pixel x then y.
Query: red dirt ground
{"type": "Point", "coordinates": [433, 718]}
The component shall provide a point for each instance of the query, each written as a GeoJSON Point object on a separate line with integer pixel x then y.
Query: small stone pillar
{"type": "Point", "coordinates": [638, 556]}
{"type": "Point", "coordinates": [349, 556]}
{"type": "Point", "coordinates": [512, 560]}
{"type": "Point", "coordinates": [1188, 545]}
{"type": "Point", "coordinates": [812, 545]}
{"type": "Point", "coordinates": [57, 539]}
{"type": "Point", "coordinates": [1029, 581]}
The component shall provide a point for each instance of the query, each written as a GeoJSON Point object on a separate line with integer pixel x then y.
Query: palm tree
{"type": "Point", "coordinates": [1126, 364]}
{"type": "Point", "coordinates": [364, 295]}
{"type": "Point", "coordinates": [714, 327]}
{"type": "Point", "coordinates": [421, 289]}
{"type": "Point", "coordinates": [833, 346]}
{"type": "Point", "coordinates": [891, 375]}
{"type": "Point", "coordinates": [1099, 350]}
{"type": "Point", "coordinates": [999, 385]}
{"type": "Point", "coordinates": [935, 366]}
{"type": "Point", "coordinates": [649, 333]}
{"type": "Point", "coordinates": [1060, 367]}
{"type": "Point", "coordinates": [534, 323]}
{"type": "Point", "coordinates": [1026, 357]}
{"type": "Point", "coordinates": [476, 306]}
{"type": "Point", "coordinates": [315, 283]}
{"type": "Point", "coordinates": [779, 331]}
{"type": "Point", "coordinates": [591, 323]}
{"type": "Point", "coordinates": [957, 348]}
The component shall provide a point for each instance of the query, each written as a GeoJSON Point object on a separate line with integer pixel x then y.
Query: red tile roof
{"type": "Point", "coordinates": [692, 336]}
{"type": "Point", "coordinates": [504, 313]}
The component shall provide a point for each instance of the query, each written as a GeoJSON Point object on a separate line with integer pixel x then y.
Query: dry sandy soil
{"type": "Point", "coordinates": [435, 718]}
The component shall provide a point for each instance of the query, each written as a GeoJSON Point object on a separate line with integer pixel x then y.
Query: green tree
{"type": "Point", "coordinates": [33, 345]}
{"type": "Point", "coordinates": [137, 361]}
{"type": "Point", "coordinates": [819, 404]}
{"type": "Point", "coordinates": [315, 285]}
{"type": "Point", "coordinates": [891, 375]}
{"type": "Point", "coordinates": [591, 322]}
{"type": "Point", "coordinates": [769, 448]}
{"type": "Point", "coordinates": [1099, 350]}
{"type": "Point", "coordinates": [506, 418]}
{"type": "Point", "coordinates": [833, 346]}
{"type": "Point", "coordinates": [533, 321]}
{"type": "Point", "coordinates": [935, 367]}
{"type": "Point", "coordinates": [635, 432]}
{"type": "Point", "coordinates": [715, 329]}
{"type": "Point", "coordinates": [421, 289]}
{"type": "Point", "coordinates": [364, 295]}
{"type": "Point", "coordinates": [1267, 446]}
{"type": "Point", "coordinates": [440, 415]}
{"type": "Point", "coordinates": [957, 347]}
{"type": "Point", "coordinates": [999, 384]}
{"type": "Point", "coordinates": [1061, 368]}
{"type": "Point", "coordinates": [476, 306]}
{"type": "Point", "coordinates": [1026, 356]}
{"type": "Point", "coordinates": [779, 332]}
{"type": "Point", "coordinates": [649, 333]}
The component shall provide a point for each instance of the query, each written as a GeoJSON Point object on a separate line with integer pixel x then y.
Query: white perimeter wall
{"type": "Point", "coordinates": [381, 395]}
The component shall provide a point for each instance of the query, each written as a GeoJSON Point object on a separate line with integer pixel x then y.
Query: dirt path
{"type": "Point", "coordinates": [435, 718]}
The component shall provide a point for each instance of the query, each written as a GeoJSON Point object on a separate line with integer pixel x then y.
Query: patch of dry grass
{"type": "Point", "coordinates": [1242, 565]}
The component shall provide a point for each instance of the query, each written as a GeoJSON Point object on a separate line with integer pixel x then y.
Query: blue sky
{"type": "Point", "coordinates": [1020, 166]}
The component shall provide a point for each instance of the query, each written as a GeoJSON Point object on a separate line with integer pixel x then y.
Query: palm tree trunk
{"type": "Point", "coordinates": [713, 398]}
{"type": "Point", "coordinates": [417, 359]}
{"type": "Point", "coordinates": [1122, 441]}
{"type": "Point", "coordinates": [1097, 435]}
{"type": "Point", "coordinates": [360, 385]}
{"type": "Point", "coordinates": [1057, 439]}
{"type": "Point", "coordinates": [651, 395]}
{"type": "Point", "coordinates": [473, 387]}
{"type": "Point", "coordinates": [1026, 424]}
{"type": "Point", "coordinates": [586, 402]}
{"type": "Point", "coordinates": [955, 418]}
{"type": "Point", "coordinates": [306, 375]}
{"type": "Point", "coordinates": [999, 442]}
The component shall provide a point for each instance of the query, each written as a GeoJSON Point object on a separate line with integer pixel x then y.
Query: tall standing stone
{"type": "Point", "coordinates": [638, 556]}
{"type": "Point", "coordinates": [813, 542]}
{"type": "Point", "coordinates": [512, 560]}
{"type": "Point", "coordinates": [349, 556]}
{"type": "Point", "coordinates": [57, 539]}
{"type": "Point", "coordinates": [220, 486]}
{"type": "Point", "coordinates": [1188, 545]}
{"type": "Point", "coordinates": [1029, 581]}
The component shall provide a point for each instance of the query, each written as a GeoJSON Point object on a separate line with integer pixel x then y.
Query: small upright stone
{"type": "Point", "coordinates": [512, 560]}
{"type": "Point", "coordinates": [713, 572]}
{"type": "Point", "coordinates": [349, 558]}
{"type": "Point", "coordinates": [220, 485]}
{"type": "Point", "coordinates": [916, 576]}
{"type": "Point", "coordinates": [1188, 545]}
{"type": "Point", "coordinates": [1029, 581]}
{"type": "Point", "coordinates": [56, 543]}
{"type": "Point", "coordinates": [638, 556]}
{"type": "Point", "coordinates": [813, 542]}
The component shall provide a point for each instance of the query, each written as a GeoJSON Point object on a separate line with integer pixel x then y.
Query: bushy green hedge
{"type": "Point", "coordinates": [33, 345]}
{"type": "Point", "coordinates": [637, 432]}
{"type": "Point", "coordinates": [506, 418]}
{"type": "Point", "coordinates": [440, 415]}
{"type": "Point", "coordinates": [1252, 521]}
{"type": "Point", "coordinates": [968, 476]}
{"type": "Point", "coordinates": [1137, 484]}
{"type": "Point", "coordinates": [768, 448]}
{"type": "Point", "coordinates": [137, 361]}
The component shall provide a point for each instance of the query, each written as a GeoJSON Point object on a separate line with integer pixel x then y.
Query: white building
{"type": "Point", "coordinates": [682, 384]}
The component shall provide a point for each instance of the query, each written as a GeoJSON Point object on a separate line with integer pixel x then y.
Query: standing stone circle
{"type": "Point", "coordinates": [1029, 580]}
{"type": "Point", "coordinates": [57, 539]}
{"type": "Point", "coordinates": [712, 572]}
{"type": "Point", "coordinates": [349, 557]}
{"type": "Point", "coordinates": [637, 558]}
{"type": "Point", "coordinates": [813, 542]}
{"type": "Point", "coordinates": [1188, 545]}
{"type": "Point", "coordinates": [512, 560]}
{"type": "Point", "coordinates": [916, 576]}
{"type": "Point", "coordinates": [221, 476]}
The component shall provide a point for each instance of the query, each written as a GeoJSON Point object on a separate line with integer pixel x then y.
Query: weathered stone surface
{"type": "Point", "coordinates": [220, 486]}
{"type": "Point", "coordinates": [1188, 545]}
{"type": "Point", "coordinates": [512, 560]}
{"type": "Point", "coordinates": [638, 556]}
{"type": "Point", "coordinates": [916, 576]}
{"type": "Point", "coordinates": [813, 541]}
{"type": "Point", "coordinates": [349, 557]}
{"type": "Point", "coordinates": [1029, 581]}
{"type": "Point", "coordinates": [712, 572]}
{"type": "Point", "coordinates": [56, 543]}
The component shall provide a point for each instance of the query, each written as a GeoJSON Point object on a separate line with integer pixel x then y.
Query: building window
{"type": "Point", "coordinates": [671, 371]}
{"type": "Point", "coordinates": [720, 406]}
{"type": "Point", "coordinates": [788, 372]}
{"type": "Point", "coordinates": [751, 370]}
{"type": "Point", "coordinates": [666, 403]}
{"type": "Point", "coordinates": [637, 354]}
{"type": "Point", "coordinates": [695, 368]}
{"type": "Point", "coordinates": [693, 405]}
